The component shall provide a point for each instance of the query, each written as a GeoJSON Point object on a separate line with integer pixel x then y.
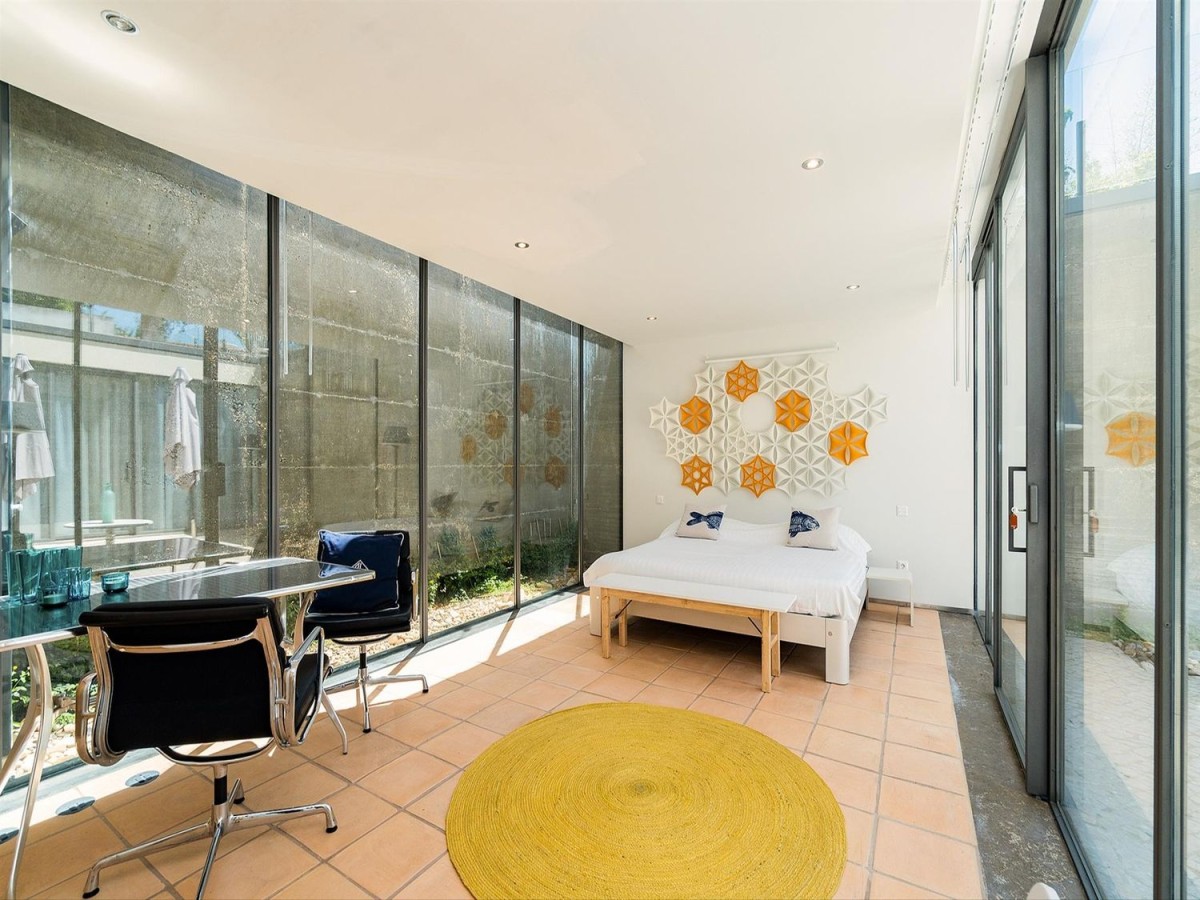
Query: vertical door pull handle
{"type": "Point", "coordinates": [1032, 505]}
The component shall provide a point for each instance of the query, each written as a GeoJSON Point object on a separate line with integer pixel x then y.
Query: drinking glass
{"type": "Point", "coordinates": [79, 582]}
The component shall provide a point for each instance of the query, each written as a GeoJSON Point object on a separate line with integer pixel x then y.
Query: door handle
{"type": "Point", "coordinates": [1032, 504]}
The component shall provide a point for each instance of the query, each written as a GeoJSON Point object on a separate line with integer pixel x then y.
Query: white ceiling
{"type": "Point", "coordinates": [649, 152]}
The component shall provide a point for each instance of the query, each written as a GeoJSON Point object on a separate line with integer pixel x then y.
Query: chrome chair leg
{"type": "Point", "coordinates": [218, 832]}
{"type": "Point", "coordinates": [193, 833]}
{"type": "Point", "coordinates": [273, 816]}
{"type": "Point", "coordinates": [337, 722]}
{"type": "Point", "coordinates": [363, 679]}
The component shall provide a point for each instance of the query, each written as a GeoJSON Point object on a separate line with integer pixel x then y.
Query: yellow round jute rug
{"type": "Point", "coordinates": [635, 801]}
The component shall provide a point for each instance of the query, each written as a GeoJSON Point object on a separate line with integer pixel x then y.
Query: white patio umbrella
{"type": "Point", "coordinates": [181, 453]}
{"type": "Point", "coordinates": [31, 450]}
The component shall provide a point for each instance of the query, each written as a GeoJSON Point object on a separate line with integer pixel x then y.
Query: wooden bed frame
{"type": "Point", "coordinates": [833, 633]}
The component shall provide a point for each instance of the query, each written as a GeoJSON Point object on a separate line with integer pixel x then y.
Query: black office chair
{"type": "Point", "coordinates": [365, 613]}
{"type": "Point", "coordinates": [169, 675]}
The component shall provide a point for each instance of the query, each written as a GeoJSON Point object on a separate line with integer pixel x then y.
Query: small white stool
{"type": "Point", "coordinates": [879, 574]}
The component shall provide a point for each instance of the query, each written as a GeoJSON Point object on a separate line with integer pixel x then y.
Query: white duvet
{"type": "Point", "coordinates": [824, 582]}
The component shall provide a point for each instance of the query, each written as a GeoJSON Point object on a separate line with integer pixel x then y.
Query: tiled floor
{"type": "Point", "coordinates": [886, 744]}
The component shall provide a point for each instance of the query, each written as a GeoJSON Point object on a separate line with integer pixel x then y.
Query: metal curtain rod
{"type": "Point", "coordinates": [828, 348]}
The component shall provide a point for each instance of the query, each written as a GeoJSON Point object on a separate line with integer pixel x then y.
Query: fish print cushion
{"type": "Point", "coordinates": [816, 529]}
{"type": "Point", "coordinates": [701, 522]}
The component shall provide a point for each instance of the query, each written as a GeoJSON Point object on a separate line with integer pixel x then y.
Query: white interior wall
{"type": "Point", "coordinates": [921, 457]}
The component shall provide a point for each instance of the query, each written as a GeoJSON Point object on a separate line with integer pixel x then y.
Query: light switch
{"type": "Point", "coordinates": [659, 499]}
{"type": "Point", "coordinates": [902, 511]}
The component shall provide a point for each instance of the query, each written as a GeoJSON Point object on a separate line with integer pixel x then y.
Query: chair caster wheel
{"type": "Point", "coordinates": [331, 830]}
{"type": "Point", "coordinates": [366, 731]}
{"type": "Point", "coordinates": [91, 893]}
{"type": "Point", "coordinates": [424, 690]}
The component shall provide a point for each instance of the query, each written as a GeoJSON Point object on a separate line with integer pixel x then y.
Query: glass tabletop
{"type": "Point", "coordinates": [132, 555]}
{"type": "Point", "coordinates": [25, 624]}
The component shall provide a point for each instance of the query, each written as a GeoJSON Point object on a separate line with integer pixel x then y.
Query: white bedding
{"type": "Point", "coordinates": [824, 582]}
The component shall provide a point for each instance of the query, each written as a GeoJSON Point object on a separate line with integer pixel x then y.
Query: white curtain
{"type": "Point", "coordinates": [31, 450]}
{"type": "Point", "coordinates": [181, 453]}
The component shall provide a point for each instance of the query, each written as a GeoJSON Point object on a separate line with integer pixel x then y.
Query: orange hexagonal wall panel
{"type": "Point", "coordinates": [758, 475]}
{"type": "Point", "coordinates": [495, 424]}
{"type": "Point", "coordinates": [848, 442]}
{"type": "Point", "coordinates": [695, 415]}
{"type": "Point", "coordinates": [555, 472]}
{"type": "Point", "coordinates": [741, 381]}
{"type": "Point", "coordinates": [697, 474]}
{"type": "Point", "coordinates": [1131, 437]}
{"type": "Point", "coordinates": [793, 410]}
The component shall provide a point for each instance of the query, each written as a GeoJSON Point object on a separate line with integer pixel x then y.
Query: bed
{"type": "Point", "coordinates": [829, 586]}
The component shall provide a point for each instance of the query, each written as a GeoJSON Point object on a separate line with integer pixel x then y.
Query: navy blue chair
{"type": "Point", "coordinates": [365, 613]}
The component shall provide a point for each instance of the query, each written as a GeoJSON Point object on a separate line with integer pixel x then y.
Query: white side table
{"type": "Point", "coordinates": [878, 575]}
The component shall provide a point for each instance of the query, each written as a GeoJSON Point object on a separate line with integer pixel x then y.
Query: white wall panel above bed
{"type": "Point", "coordinates": [921, 460]}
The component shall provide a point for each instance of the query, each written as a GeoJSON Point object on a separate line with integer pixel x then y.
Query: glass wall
{"type": "Point", "coordinates": [1106, 403]}
{"type": "Point", "coordinates": [472, 468]}
{"type": "Point", "coordinates": [601, 445]}
{"type": "Point", "coordinates": [984, 456]}
{"type": "Point", "coordinates": [548, 407]}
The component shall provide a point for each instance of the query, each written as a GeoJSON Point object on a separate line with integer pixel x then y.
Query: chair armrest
{"type": "Point", "coordinates": [318, 635]}
{"type": "Point", "coordinates": [85, 725]}
{"type": "Point", "coordinates": [288, 734]}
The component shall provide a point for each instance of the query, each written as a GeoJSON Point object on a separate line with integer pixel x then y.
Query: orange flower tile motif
{"type": "Point", "coordinates": [758, 475]}
{"type": "Point", "coordinates": [556, 472]}
{"type": "Point", "coordinates": [741, 381]}
{"type": "Point", "coordinates": [1131, 437]}
{"type": "Point", "coordinates": [793, 410]}
{"type": "Point", "coordinates": [553, 421]}
{"type": "Point", "coordinates": [848, 442]}
{"type": "Point", "coordinates": [695, 415]}
{"type": "Point", "coordinates": [526, 399]}
{"type": "Point", "coordinates": [697, 474]}
{"type": "Point", "coordinates": [495, 425]}
{"type": "Point", "coordinates": [469, 449]}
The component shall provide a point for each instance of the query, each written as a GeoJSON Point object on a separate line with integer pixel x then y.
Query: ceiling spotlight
{"type": "Point", "coordinates": [651, 318]}
{"type": "Point", "coordinates": [522, 245]}
{"type": "Point", "coordinates": [814, 162]}
{"type": "Point", "coordinates": [353, 290]}
{"type": "Point", "coordinates": [853, 287]}
{"type": "Point", "coordinates": [119, 22]}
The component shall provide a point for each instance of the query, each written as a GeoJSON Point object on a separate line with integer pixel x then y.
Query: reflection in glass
{"type": "Point", "coordinates": [984, 532]}
{"type": "Point", "coordinates": [1191, 549]}
{"type": "Point", "coordinates": [601, 446]}
{"type": "Point", "coordinates": [1108, 359]}
{"type": "Point", "coordinates": [548, 404]}
{"type": "Point", "coordinates": [471, 466]}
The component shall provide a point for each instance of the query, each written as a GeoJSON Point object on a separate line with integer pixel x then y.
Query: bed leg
{"type": "Point", "coordinates": [594, 618]}
{"type": "Point", "coordinates": [837, 651]}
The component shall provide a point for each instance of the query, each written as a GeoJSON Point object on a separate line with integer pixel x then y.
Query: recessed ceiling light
{"type": "Point", "coordinates": [119, 22]}
{"type": "Point", "coordinates": [814, 162]}
{"type": "Point", "coordinates": [522, 245]}
{"type": "Point", "coordinates": [853, 287]}
{"type": "Point", "coordinates": [651, 318]}
{"type": "Point", "coordinates": [353, 290]}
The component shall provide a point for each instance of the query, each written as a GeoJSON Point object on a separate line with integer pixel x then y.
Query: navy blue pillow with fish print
{"type": "Point", "coordinates": [816, 529]}
{"type": "Point", "coordinates": [701, 522]}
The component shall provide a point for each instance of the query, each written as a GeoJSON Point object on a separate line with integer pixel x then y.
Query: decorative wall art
{"type": "Point", "coordinates": [815, 436]}
{"type": "Point", "coordinates": [545, 437]}
{"type": "Point", "coordinates": [1127, 409]}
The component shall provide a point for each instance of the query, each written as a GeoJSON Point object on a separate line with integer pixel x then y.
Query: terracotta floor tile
{"type": "Point", "coordinates": [924, 767]}
{"type": "Point", "coordinates": [132, 879]}
{"type": "Point", "coordinates": [929, 808]}
{"type": "Point", "coordinates": [857, 695]}
{"type": "Point", "coordinates": [793, 705]}
{"type": "Point", "coordinates": [869, 663]}
{"type": "Point", "coordinates": [640, 669]}
{"type": "Point", "coordinates": [384, 708]}
{"type": "Point", "coordinates": [461, 744]}
{"type": "Point", "coordinates": [358, 811]}
{"type": "Point", "coordinates": [506, 715]}
{"type": "Point", "coordinates": [258, 868]}
{"type": "Point", "coordinates": [432, 807]}
{"type": "Point", "coordinates": [705, 663]}
{"type": "Point", "coordinates": [384, 860]}
{"type": "Point", "coordinates": [658, 695]}
{"type": "Point", "coordinates": [860, 834]}
{"type": "Point", "coordinates": [872, 679]}
{"type": "Point", "coordinates": [854, 883]}
{"type": "Point", "coordinates": [813, 687]}
{"type": "Point", "coordinates": [593, 660]}
{"type": "Point", "coordinates": [873, 649]}
{"type": "Point", "coordinates": [418, 726]}
{"type": "Point", "coordinates": [531, 666]}
{"type": "Point", "coordinates": [788, 731]}
{"type": "Point", "coordinates": [582, 698]}
{"type": "Point", "coordinates": [157, 813]}
{"type": "Point", "coordinates": [561, 653]}
{"type": "Point", "coordinates": [439, 882]}
{"type": "Point", "coordinates": [109, 788]}
{"type": "Point", "coordinates": [572, 676]}
{"type": "Point", "coordinates": [935, 712]}
{"type": "Point", "coordinates": [722, 688]}
{"type": "Point", "coordinates": [684, 680]}
{"type": "Point", "coordinates": [61, 855]}
{"type": "Point", "coordinates": [502, 682]}
{"type": "Point", "coordinates": [325, 882]}
{"type": "Point", "coordinates": [927, 860]}
{"type": "Point", "coordinates": [408, 777]}
{"type": "Point", "coordinates": [936, 658]}
{"type": "Point", "coordinates": [920, 641]}
{"type": "Point", "coordinates": [177, 863]}
{"type": "Point", "coordinates": [366, 755]}
{"type": "Point", "coordinates": [915, 687]}
{"type": "Point", "coordinates": [747, 673]}
{"type": "Point", "coordinates": [912, 733]}
{"type": "Point", "coordinates": [851, 785]}
{"type": "Point", "coordinates": [864, 752]}
{"type": "Point", "coordinates": [851, 718]}
{"type": "Point", "coordinates": [464, 702]}
{"type": "Point", "coordinates": [920, 670]}
{"type": "Point", "coordinates": [544, 695]}
{"type": "Point", "coordinates": [616, 687]}
{"type": "Point", "coordinates": [730, 711]}
{"type": "Point", "coordinates": [302, 785]}
{"type": "Point", "coordinates": [657, 653]}
{"type": "Point", "coordinates": [884, 887]}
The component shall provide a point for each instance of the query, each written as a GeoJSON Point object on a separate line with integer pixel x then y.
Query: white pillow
{"type": "Point", "coordinates": [817, 529]}
{"type": "Point", "coordinates": [849, 539]}
{"type": "Point", "coordinates": [701, 522]}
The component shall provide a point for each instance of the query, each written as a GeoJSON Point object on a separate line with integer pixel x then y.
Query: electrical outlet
{"type": "Point", "coordinates": [659, 500]}
{"type": "Point", "coordinates": [902, 565]}
{"type": "Point", "coordinates": [902, 511]}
